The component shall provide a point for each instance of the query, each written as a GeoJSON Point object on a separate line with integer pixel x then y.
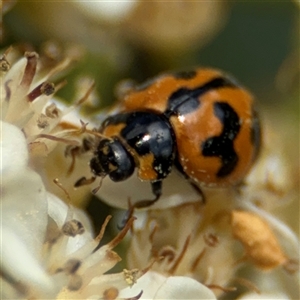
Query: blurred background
{"type": "Point", "coordinates": [257, 42]}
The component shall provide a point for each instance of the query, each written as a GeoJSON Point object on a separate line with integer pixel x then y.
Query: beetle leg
{"type": "Point", "coordinates": [156, 190]}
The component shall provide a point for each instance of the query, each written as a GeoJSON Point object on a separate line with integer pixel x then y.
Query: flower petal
{"type": "Point", "coordinates": [179, 287]}
{"type": "Point", "coordinates": [157, 286]}
{"type": "Point", "coordinates": [20, 265]}
{"type": "Point", "coordinates": [60, 213]}
{"type": "Point", "coordinates": [14, 153]}
{"type": "Point", "coordinates": [24, 207]}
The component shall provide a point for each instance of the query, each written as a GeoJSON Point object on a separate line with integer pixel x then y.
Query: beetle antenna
{"type": "Point", "coordinates": [96, 133]}
{"type": "Point", "coordinates": [58, 184]}
{"type": "Point", "coordinates": [84, 181]}
{"type": "Point", "coordinates": [96, 189]}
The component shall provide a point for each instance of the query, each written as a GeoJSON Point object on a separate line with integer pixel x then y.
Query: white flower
{"type": "Point", "coordinates": [48, 250]}
{"type": "Point", "coordinates": [190, 240]}
{"type": "Point", "coordinates": [23, 212]}
{"type": "Point", "coordinates": [47, 247]}
{"type": "Point", "coordinates": [53, 131]}
{"type": "Point", "coordinates": [188, 251]}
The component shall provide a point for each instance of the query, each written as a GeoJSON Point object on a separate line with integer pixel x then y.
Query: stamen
{"type": "Point", "coordinates": [223, 289]}
{"type": "Point", "coordinates": [102, 230]}
{"type": "Point", "coordinates": [52, 111]}
{"type": "Point", "coordinates": [71, 266]}
{"type": "Point", "coordinates": [152, 233]}
{"type": "Point", "coordinates": [110, 294]}
{"type": "Point", "coordinates": [166, 252]}
{"type": "Point", "coordinates": [4, 64]}
{"type": "Point", "coordinates": [101, 233]}
{"type": "Point", "coordinates": [86, 95]}
{"type": "Point", "coordinates": [180, 256]}
{"type": "Point", "coordinates": [30, 68]}
{"type": "Point", "coordinates": [112, 244]}
{"type": "Point", "coordinates": [45, 88]}
{"type": "Point", "coordinates": [72, 228]}
{"type": "Point", "coordinates": [248, 284]}
{"type": "Point", "coordinates": [197, 260]}
{"type": "Point", "coordinates": [58, 68]}
{"type": "Point", "coordinates": [211, 240]}
{"type": "Point", "coordinates": [75, 282]}
{"type": "Point", "coordinates": [58, 139]}
{"type": "Point", "coordinates": [56, 181]}
{"type": "Point", "coordinates": [131, 276]}
{"type": "Point", "coordinates": [7, 90]}
{"type": "Point", "coordinates": [42, 121]}
{"type": "Point", "coordinates": [144, 271]}
{"type": "Point", "coordinates": [60, 85]}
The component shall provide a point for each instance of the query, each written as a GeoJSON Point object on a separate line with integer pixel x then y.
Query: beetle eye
{"type": "Point", "coordinates": [112, 159]}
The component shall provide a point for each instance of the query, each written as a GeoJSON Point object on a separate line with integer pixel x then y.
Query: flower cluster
{"type": "Point", "coordinates": [213, 243]}
{"type": "Point", "coordinates": [48, 249]}
{"type": "Point", "coordinates": [185, 250]}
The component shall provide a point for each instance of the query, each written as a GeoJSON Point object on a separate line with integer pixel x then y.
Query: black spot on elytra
{"type": "Point", "coordinates": [222, 146]}
{"type": "Point", "coordinates": [185, 100]}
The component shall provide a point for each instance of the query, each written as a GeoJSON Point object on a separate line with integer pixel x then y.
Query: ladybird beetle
{"type": "Point", "coordinates": [200, 122]}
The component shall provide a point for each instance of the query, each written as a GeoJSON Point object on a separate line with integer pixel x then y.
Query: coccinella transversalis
{"type": "Point", "coordinates": [200, 122]}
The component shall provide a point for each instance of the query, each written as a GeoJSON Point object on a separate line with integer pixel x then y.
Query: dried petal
{"type": "Point", "coordinates": [259, 241]}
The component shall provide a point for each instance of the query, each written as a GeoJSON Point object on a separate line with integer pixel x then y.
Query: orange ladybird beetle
{"type": "Point", "coordinates": [200, 122]}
